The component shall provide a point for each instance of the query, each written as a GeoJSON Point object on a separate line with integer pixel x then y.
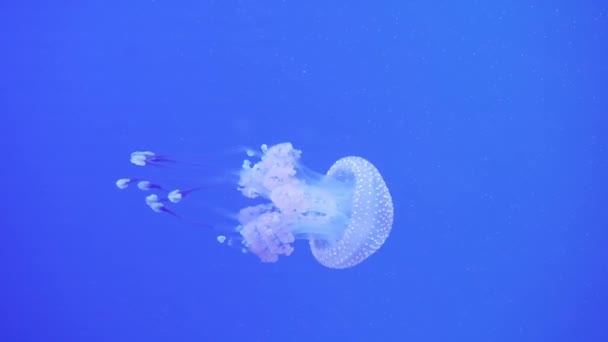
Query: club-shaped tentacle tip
{"type": "Point", "coordinates": [144, 185]}
{"type": "Point", "coordinates": [123, 183]}
{"type": "Point", "coordinates": [175, 196]}
{"type": "Point", "coordinates": [154, 203]}
{"type": "Point", "coordinates": [140, 158]}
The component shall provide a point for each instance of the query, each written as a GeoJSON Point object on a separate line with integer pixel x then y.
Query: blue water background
{"type": "Point", "coordinates": [486, 119]}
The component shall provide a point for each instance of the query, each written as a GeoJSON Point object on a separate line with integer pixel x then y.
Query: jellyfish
{"type": "Point", "coordinates": [346, 214]}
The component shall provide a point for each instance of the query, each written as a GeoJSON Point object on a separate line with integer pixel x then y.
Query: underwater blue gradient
{"type": "Point", "coordinates": [487, 120]}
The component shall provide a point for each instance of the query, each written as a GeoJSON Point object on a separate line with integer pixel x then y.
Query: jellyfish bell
{"type": "Point", "coordinates": [345, 214]}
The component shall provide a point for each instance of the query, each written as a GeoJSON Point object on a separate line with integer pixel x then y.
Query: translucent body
{"type": "Point", "coordinates": [346, 214]}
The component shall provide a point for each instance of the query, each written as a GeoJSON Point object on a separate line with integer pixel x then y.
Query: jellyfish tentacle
{"type": "Point", "coordinates": [142, 184]}
{"type": "Point", "coordinates": [124, 183]}
{"type": "Point", "coordinates": [157, 205]}
{"type": "Point", "coordinates": [144, 158]}
{"type": "Point", "coordinates": [149, 158]}
{"type": "Point", "coordinates": [177, 195]}
{"type": "Point", "coordinates": [146, 185]}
